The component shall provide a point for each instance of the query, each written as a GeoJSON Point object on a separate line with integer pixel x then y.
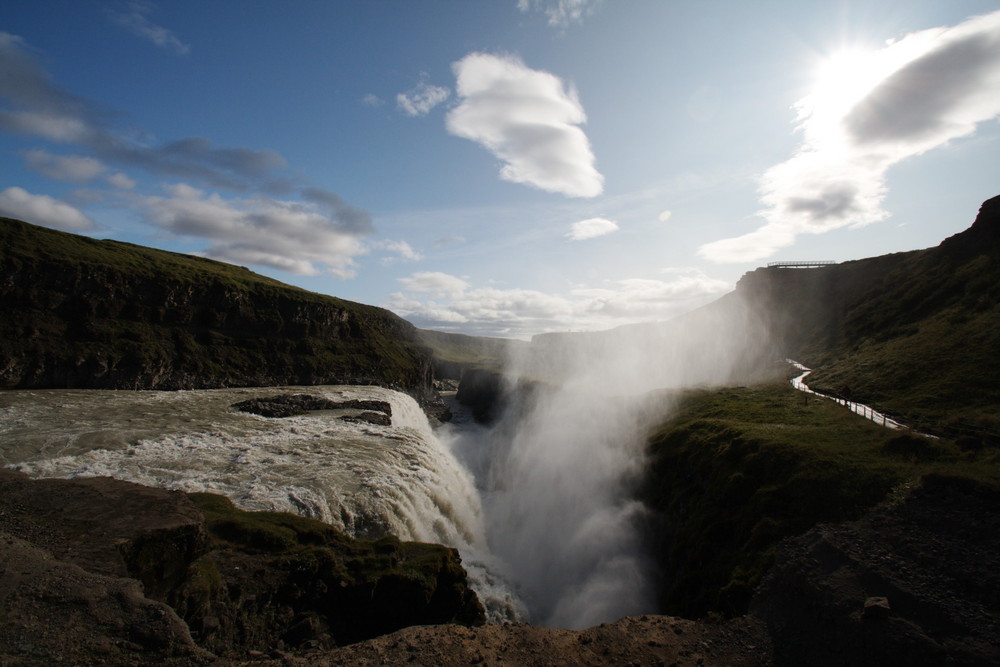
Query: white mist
{"type": "Point", "coordinates": [560, 512]}
{"type": "Point", "coordinates": [559, 473]}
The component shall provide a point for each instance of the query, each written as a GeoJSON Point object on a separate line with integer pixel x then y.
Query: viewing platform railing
{"type": "Point", "coordinates": [799, 265]}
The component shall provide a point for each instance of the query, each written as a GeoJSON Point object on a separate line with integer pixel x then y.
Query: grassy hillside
{"type": "Point", "coordinates": [916, 334]}
{"type": "Point", "coordinates": [81, 312]}
{"type": "Point", "coordinates": [737, 470]}
{"type": "Point", "coordinates": [454, 353]}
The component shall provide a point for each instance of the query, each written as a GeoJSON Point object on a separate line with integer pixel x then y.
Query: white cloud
{"type": "Point", "coordinates": [291, 236]}
{"type": "Point", "coordinates": [591, 228]}
{"type": "Point", "coordinates": [561, 13]}
{"type": "Point", "coordinates": [434, 282]}
{"type": "Point", "coordinates": [62, 128]}
{"type": "Point", "coordinates": [529, 120]}
{"type": "Point", "coordinates": [438, 300]}
{"type": "Point", "coordinates": [643, 299]}
{"type": "Point", "coordinates": [868, 113]}
{"type": "Point", "coordinates": [121, 181]}
{"type": "Point", "coordinates": [421, 99]}
{"type": "Point", "coordinates": [372, 100]}
{"type": "Point", "coordinates": [402, 250]}
{"type": "Point", "coordinates": [18, 203]}
{"type": "Point", "coordinates": [69, 168]}
{"type": "Point", "coordinates": [135, 19]}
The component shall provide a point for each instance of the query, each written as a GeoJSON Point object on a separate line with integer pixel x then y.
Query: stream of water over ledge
{"type": "Point", "coordinates": [366, 479]}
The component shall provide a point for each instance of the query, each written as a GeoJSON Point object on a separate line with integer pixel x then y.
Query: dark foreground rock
{"type": "Point", "coordinates": [81, 565]}
{"type": "Point", "coordinates": [53, 612]}
{"type": "Point", "coordinates": [640, 640]}
{"type": "Point", "coordinates": [913, 584]}
{"type": "Point", "coordinates": [99, 571]}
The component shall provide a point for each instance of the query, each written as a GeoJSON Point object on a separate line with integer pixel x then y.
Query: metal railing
{"type": "Point", "coordinates": [799, 264]}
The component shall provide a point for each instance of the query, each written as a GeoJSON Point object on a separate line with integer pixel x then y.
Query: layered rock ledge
{"type": "Point", "coordinates": [99, 570]}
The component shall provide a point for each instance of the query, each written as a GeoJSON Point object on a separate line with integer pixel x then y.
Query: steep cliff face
{"type": "Point", "coordinates": [103, 314]}
{"type": "Point", "coordinates": [913, 333]}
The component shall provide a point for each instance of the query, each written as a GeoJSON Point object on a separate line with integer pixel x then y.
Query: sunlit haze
{"type": "Point", "coordinates": [507, 167]}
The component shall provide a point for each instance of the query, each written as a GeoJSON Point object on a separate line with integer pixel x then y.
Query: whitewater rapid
{"type": "Point", "coordinates": [368, 480]}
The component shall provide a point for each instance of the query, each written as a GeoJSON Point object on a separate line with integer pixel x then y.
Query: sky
{"type": "Point", "coordinates": [503, 167]}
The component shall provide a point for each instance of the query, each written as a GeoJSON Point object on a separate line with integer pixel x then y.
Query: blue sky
{"type": "Point", "coordinates": [504, 167]}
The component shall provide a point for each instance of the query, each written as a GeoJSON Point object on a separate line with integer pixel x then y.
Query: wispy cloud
{"type": "Point", "coordinates": [288, 235]}
{"type": "Point", "coordinates": [121, 181]}
{"type": "Point", "coordinates": [591, 228]}
{"type": "Point", "coordinates": [401, 251]}
{"type": "Point", "coordinates": [36, 106]}
{"type": "Point", "coordinates": [419, 100]}
{"type": "Point", "coordinates": [560, 13]}
{"type": "Point", "coordinates": [443, 301]}
{"type": "Point", "coordinates": [135, 18]}
{"type": "Point", "coordinates": [916, 94]}
{"type": "Point", "coordinates": [435, 282]}
{"type": "Point", "coordinates": [68, 168]}
{"type": "Point", "coordinates": [527, 118]}
{"type": "Point", "coordinates": [318, 232]}
{"type": "Point", "coordinates": [42, 210]}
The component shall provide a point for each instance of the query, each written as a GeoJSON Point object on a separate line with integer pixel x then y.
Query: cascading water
{"type": "Point", "coordinates": [557, 495]}
{"type": "Point", "coordinates": [366, 479]}
{"type": "Point", "coordinates": [559, 472]}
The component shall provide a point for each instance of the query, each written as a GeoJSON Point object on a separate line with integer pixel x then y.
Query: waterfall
{"type": "Point", "coordinates": [368, 480]}
{"type": "Point", "coordinates": [559, 472]}
{"type": "Point", "coordinates": [557, 482]}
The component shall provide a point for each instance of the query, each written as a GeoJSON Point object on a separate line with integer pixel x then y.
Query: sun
{"type": "Point", "coordinates": [839, 80]}
{"type": "Point", "coordinates": [845, 76]}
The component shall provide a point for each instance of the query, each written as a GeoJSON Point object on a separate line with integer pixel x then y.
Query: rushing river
{"type": "Point", "coordinates": [366, 479]}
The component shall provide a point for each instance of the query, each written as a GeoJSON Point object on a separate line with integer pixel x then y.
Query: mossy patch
{"type": "Point", "coordinates": [323, 547]}
{"type": "Point", "coordinates": [274, 561]}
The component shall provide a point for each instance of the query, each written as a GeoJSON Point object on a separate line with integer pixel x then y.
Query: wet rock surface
{"type": "Point", "coordinates": [106, 526]}
{"type": "Point", "coordinates": [290, 405]}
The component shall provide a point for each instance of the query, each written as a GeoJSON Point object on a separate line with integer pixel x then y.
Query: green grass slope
{"type": "Point", "coordinates": [455, 353]}
{"type": "Point", "coordinates": [915, 334]}
{"type": "Point", "coordinates": [737, 470]}
{"type": "Point", "coordinates": [80, 312]}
